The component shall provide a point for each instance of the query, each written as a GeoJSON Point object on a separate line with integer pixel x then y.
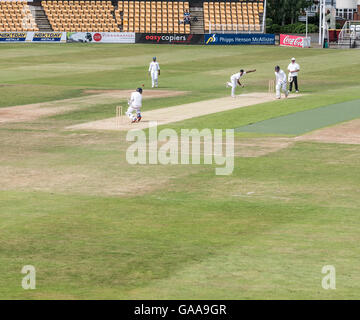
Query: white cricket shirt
{"type": "Point", "coordinates": [280, 77]}
{"type": "Point", "coordinates": [237, 76]}
{"type": "Point", "coordinates": [154, 67]}
{"type": "Point", "coordinates": [292, 67]}
{"type": "Point", "coordinates": [136, 99]}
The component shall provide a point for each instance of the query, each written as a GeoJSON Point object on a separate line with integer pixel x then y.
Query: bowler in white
{"type": "Point", "coordinates": [235, 80]}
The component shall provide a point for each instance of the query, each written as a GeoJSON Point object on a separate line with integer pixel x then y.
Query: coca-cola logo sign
{"type": "Point", "coordinates": [297, 42]}
{"type": "Point", "coordinates": [292, 41]}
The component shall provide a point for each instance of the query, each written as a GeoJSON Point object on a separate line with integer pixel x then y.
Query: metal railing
{"type": "Point", "coordinates": [349, 32]}
{"type": "Point", "coordinates": [236, 28]}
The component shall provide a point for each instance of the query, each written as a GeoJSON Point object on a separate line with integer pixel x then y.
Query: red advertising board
{"type": "Point", "coordinates": [293, 41]}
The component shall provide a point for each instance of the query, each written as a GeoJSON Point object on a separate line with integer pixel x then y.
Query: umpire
{"type": "Point", "coordinates": [293, 69]}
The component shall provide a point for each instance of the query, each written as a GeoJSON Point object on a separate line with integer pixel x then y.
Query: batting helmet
{"type": "Point", "coordinates": [154, 58]}
{"type": "Point", "coordinates": [139, 90]}
{"type": "Point", "coordinates": [277, 68]}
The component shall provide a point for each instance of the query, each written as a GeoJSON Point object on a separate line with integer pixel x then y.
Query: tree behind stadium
{"type": "Point", "coordinates": [284, 12]}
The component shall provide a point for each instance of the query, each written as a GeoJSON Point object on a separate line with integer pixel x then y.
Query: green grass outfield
{"type": "Point", "coordinates": [96, 227]}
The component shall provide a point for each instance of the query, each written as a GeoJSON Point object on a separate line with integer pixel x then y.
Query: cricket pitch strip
{"type": "Point", "coordinates": [178, 113]}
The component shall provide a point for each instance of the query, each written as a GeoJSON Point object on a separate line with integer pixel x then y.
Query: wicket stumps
{"type": "Point", "coordinates": [271, 86]}
{"type": "Point", "coordinates": [119, 115]}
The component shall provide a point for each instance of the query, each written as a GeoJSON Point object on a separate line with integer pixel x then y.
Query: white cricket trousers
{"type": "Point", "coordinates": [233, 83]}
{"type": "Point", "coordinates": [154, 79]}
{"type": "Point", "coordinates": [280, 86]}
{"type": "Point", "coordinates": [131, 110]}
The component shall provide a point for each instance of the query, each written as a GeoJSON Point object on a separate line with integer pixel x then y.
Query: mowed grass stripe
{"type": "Point", "coordinates": [306, 121]}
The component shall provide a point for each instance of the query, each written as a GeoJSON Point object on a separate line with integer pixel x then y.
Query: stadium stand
{"type": "Point", "coordinates": [152, 16]}
{"type": "Point", "coordinates": [241, 16]}
{"type": "Point", "coordinates": [81, 16]}
{"type": "Point", "coordinates": [131, 16]}
{"type": "Point", "coordinates": [16, 16]}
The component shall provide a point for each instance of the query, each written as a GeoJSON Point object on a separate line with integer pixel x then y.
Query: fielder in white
{"type": "Point", "coordinates": [135, 104]}
{"type": "Point", "coordinates": [281, 82]}
{"type": "Point", "coordinates": [154, 71]}
{"type": "Point", "coordinates": [235, 80]}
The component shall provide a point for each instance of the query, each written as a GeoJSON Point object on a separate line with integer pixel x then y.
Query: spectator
{"type": "Point", "coordinates": [187, 17]}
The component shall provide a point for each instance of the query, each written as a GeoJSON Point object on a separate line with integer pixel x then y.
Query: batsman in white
{"type": "Point", "coordinates": [235, 80]}
{"type": "Point", "coordinates": [281, 82]}
{"type": "Point", "coordinates": [135, 104]}
{"type": "Point", "coordinates": [154, 71]}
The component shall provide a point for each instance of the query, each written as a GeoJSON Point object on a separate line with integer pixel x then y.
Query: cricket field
{"type": "Point", "coordinates": [97, 227]}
